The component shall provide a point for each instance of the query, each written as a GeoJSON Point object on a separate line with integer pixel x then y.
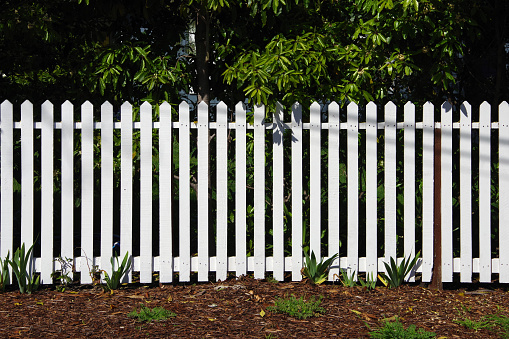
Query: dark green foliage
{"type": "Point", "coordinates": [113, 282]}
{"type": "Point", "coordinates": [317, 272]}
{"type": "Point", "coordinates": [4, 272]}
{"type": "Point", "coordinates": [396, 274]}
{"type": "Point", "coordinates": [22, 266]}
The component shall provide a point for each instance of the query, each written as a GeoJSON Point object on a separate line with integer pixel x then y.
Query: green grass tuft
{"type": "Point", "coordinates": [298, 308]}
{"type": "Point", "coordinates": [155, 314]}
{"type": "Point", "coordinates": [395, 330]}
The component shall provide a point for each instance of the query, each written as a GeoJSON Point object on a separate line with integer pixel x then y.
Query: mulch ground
{"type": "Point", "coordinates": [233, 309]}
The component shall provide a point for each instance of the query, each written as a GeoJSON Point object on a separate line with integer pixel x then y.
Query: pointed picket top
{"type": "Point", "coordinates": [409, 105]}
{"type": "Point", "coordinates": [315, 118]}
{"type": "Point", "coordinates": [447, 107]}
{"type": "Point", "coordinates": [106, 105]}
{"type": "Point", "coordinates": [428, 114]}
{"type": "Point", "coordinates": [165, 110]}
{"type": "Point", "coordinates": [165, 105]}
{"type": "Point", "coordinates": [106, 112]}
{"type": "Point", "coordinates": [67, 105]}
{"type": "Point", "coordinates": [47, 110]}
{"type": "Point", "coordinates": [221, 114]}
{"type": "Point", "coordinates": [221, 105]}
{"type": "Point", "coordinates": [352, 105]}
{"type": "Point", "coordinates": [390, 105]}
{"type": "Point", "coordinates": [27, 105]}
{"type": "Point", "coordinates": [390, 114]}
{"type": "Point", "coordinates": [352, 114]}
{"type": "Point", "coordinates": [184, 105]}
{"type": "Point", "coordinates": [126, 105]}
{"type": "Point", "coordinates": [485, 105]}
{"type": "Point", "coordinates": [87, 104]}
{"type": "Point", "coordinates": [371, 104]}
{"type": "Point", "coordinates": [5, 108]}
{"type": "Point", "coordinates": [504, 105]}
{"type": "Point", "coordinates": [296, 114]}
{"type": "Point", "coordinates": [371, 114]}
{"type": "Point", "coordinates": [278, 115]}
{"type": "Point", "coordinates": [334, 106]}
{"type": "Point", "coordinates": [466, 112]}
{"type": "Point", "coordinates": [259, 115]}
{"type": "Point", "coordinates": [240, 112]}
{"type": "Point", "coordinates": [146, 110]}
{"type": "Point", "coordinates": [203, 113]}
{"type": "Point", "coordinates": [409, 114]}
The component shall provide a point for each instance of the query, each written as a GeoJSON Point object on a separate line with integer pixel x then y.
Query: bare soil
{"type": "Point", "coordinates": [233, 309]}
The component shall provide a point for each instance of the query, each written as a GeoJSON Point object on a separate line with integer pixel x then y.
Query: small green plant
{"type": "Point", "coordinates": [21, 261]}
{"type": "Point", "coordinates": [396, 274]}
{"type": "Point", "coordinates": [347, 280]}
{"type": "Point", "coordinates": [4, 272]}
{"type": "Point", "coordinates": [151, 314]}
{"type": "Point", "coordinates": [475, 325]}
{"type": "Point", "coordinates": [369, 282]}
{"type": "Point", "coordinates": [64, 275]}
{"type": "Point", "coordinates": [113, 282]}
{"type": "Point", "coordinates": [316, 272]}
{"type": "Point", "coordinates": [298, 308]}
{"type": "Point", "coordinates": [501, 325]}
{"type": "Point", "coordinates": [395, 330]}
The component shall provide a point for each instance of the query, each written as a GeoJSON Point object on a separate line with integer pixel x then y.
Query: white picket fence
{"type": "Point", "coordinates": [167, 264]}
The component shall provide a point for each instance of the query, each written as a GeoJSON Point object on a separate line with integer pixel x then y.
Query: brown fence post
{"type": "Point", "coordinates": [436, 281]}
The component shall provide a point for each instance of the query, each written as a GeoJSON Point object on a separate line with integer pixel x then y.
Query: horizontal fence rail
{"type": "Point", "coordinates": [248, 192]}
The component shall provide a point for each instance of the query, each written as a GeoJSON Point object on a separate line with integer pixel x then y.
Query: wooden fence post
{"type": "Point", "coordinates": [436, 281]}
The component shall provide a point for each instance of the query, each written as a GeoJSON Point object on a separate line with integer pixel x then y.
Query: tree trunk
{"type": "Point", "coordinates": [203, 53]}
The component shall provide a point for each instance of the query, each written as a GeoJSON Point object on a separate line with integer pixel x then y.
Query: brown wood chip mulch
{"type": "Point", "coordinates": [233, 309]}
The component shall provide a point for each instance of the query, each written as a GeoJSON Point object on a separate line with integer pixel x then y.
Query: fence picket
{"type": "Point", "coordinates": [106, 186]}
{"type": "Point", "coordinates": [46, 193]}
{"type": "Point", "coordinates": [333, 186]}
{"type": "Point", "coordinates": [278, 194]}
{"type": "Point", "coordinates": [240, 190]}
{"type": "Point", "coordinates": [390, 181]}
{"type": "Point", "coordinates": [222, 192]}
{"type": "Point", "coordinates": [87, 189]}
{"type": "Point", "coordinates": [165, 194]}
{"type": "Point", "coordinates": [203, 191]}
{"type": "Point", "coordinates": [485, 192]}
{"type": "Point", "coordinates": [503, 187]}
{"type": "Point", "coordinates": [126, 183]}
{"type": "Point", "coordinates": [67, 179]}
{"type": "Point", "coordinates": [353, 187]}
{"type": "Point", "coordinates": [27, 173]}
{"type": "Point", "coordinates": [427, 190]}
{"type": "Point", "coordinates": [6, 174]}
{"type": "Point", "coordinates": [259, 192]}
{"type": "Point", "coordinates": [466, 192]}
{"type": "Point", "coordinates": [371, 189]}
{"type": "Point", "coordinates": [296, 125]}
{"type": "Point", "coordinates": [315, 177]}
{"type": "Point", "coordinates": [409, 183]}
{"type": "Point", "coordinates": [447, 249]}
{"type": "Point", "coordinates": [146, 261]}
{"type": "Point", "coordinates": [184, 194]}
